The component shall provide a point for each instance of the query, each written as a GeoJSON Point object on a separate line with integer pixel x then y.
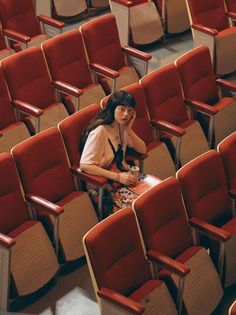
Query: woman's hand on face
{"type": "Point", "coordinates": [131, 120]}
{"type": "Point", "coordinates": [127, 179]}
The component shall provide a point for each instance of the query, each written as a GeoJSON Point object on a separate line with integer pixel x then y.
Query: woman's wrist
{"type": "Point", "coordinates": [118, 177]}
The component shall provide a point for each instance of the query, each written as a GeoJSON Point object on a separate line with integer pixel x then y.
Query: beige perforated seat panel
{"type": "Point", "coordinates": [77, 219]}
{"type": "Point", "coordinates": [12, 136]}
{"type": "Point", "coordinates": [193, 143]}
{"type": "Point", "coordinates": [35, 41]}
{"type": "Point", "coordinates": [202, 289]}
{"type": "Point", "coordinates": [157, 302]}
{"type": "Point", "coordinates": [90, 96]}
{"type": "Point", "coordinates": [33, 260]}
{"type": "Point", "coordinates": [69, 7]}
{"type": "Point", "coordinates": [225, 122]}
{"type": "Point", "coordinates": [6, 52]}
{"type": "Point", "coordinates": [99, 3]}
{"type": "Point", "coordinates": [159, 162]}
{"type": "Point", "coordinates": [177, 16]}
{"type": "Point", "coordinates": [225, 53]}
{"type": "Point", "coordinates": [128, 76]}
{"type": "Point", "coordinates": [145, 24]}
{"type": "Point", "coordinates": [230, 261]}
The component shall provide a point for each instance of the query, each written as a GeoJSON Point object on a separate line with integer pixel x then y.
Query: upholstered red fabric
{"type": "Point", "coordinates": [28, 78]}
{"type": "Point", "coordinates": [227, 149]}
{"type": "Point", "coordinates": [66, 59]}
{"type": "Point", "coordinates": [231, 7]}
{"type": "Point", "coordinates": [72, 127]}
{"type": "Point", "coordinates": [13, 210]}
{"type": "Point", "coordinates": [20, 229]}
{"type": "Point", "coordinates": [20, 18]}
{"type": "Point", "coordinates": [102, 42]}
{"type": "Point", "coordinates": [51, 178]}
{"type": "Point", "coordinates": [204, 188]}
{"type": "Point", "coordinates": [210, 13]}
{"type": "Point", "coordinates": [112, 256]}
{"type": "Point", "coordinates": [161, 213]}
{"type": "Point", "coordinates": [164, 95]}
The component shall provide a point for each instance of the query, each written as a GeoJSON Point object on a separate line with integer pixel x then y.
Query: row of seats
{"type": "Point", "coordinates": [160, 229]}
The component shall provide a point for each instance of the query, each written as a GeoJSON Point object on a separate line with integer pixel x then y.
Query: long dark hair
{"type": "Point", "coordinates": [106, 115]}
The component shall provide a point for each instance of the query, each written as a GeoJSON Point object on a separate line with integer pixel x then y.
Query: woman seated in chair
{"type": "Point", "coordinates": [106, 138]}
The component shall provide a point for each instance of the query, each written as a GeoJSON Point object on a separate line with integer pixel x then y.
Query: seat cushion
{"type": "Point", "coordinates": [78, 218]}
{"type": "Point", "coordinates": [69, 7]}
{"type": "Point", "coordinates": [145, 24]}
{"type": "Point", "coordinates": [177, 16]}
{"type": "Point", "coordinates": [33, 260]}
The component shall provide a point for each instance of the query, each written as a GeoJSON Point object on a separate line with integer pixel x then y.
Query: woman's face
{"type": "Point", "coordinates": [123, 114]}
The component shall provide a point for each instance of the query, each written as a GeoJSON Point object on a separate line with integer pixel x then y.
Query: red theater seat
{"type": "Point", "coordinates": [69, 8]}
{"type": "Point", "coordinates": [48, 183]}
{"type": "Point", "coordinates": [67, 62]}
{"type": "Point", "coordinates": [166, 105]}
{"type": "Point", "coordinates": [28, 260]}
{"type": "Point", "coordinates": [120, 272]}
{"type": "Point", "coordinates": [167, 235]}
{"type": "Point", "coordinates": [108, 58]}
{"type": "Point", "coordinates": [209, 208]}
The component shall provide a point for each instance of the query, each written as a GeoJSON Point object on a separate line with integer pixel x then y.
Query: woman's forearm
{"type": "Point", "coordinates": [139, 144]}
{"type": "Point", "coordinates": [99, 171]}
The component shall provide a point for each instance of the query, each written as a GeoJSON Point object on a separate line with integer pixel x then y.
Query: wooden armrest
{"type": "Point", "coordinates": [44, 204]}
{"type": "Point", "coordinates": [209, 229]}
{"type": "Point", "coordinates": [67, 88]}
{"type": "Point", "coordinates": [50, 21]}
{"type": "Point", "coordinates": [103, 70]}
{"type": "Point", "coordinates": [167, 127]}
{"type": "Point", "coordinates": [136, 53]}
{"type": "Point", "coordinates": [6, 241]}
{"type": "Point", "coordinates": [27, 108]}
{"type": "Point", "coordinates": [204, 29]}
{"type": "Point", "coordinates": [201, 107]}
{"type": "Point", "coordinates": [16, 36]}
{"type": "Point", "coordinates": [168, 263]}
{"type": "Point", "coordinates": [121, 301]}
{"type": "Point", "coordinates": [226, 84]}
{"type": "Point", "coordinates": [93, 179]}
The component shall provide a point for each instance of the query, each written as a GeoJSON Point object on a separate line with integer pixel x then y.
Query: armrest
{"type": "Point", "coordinates": [44, 204]}
{"type": "Point", "coordinates": [16, 36]}
{"type": "Point", "coordinates": [168, 263]}
{"type": "Point", "coordinates": [207, 228]}
{"type": "Point", "coordinates": [168, 127]}
{"type": "Point", "coordinates": [67, 88]}
{"type": "Point", "coordinates": [93, 179]}
{"type": "Point", "coordinates": [231, 15]}
{"type": "Point", "coordinates": [103, 70]}
{"type": "Point", "coordinates": [50, 21]}
{"type": "Point", "coordinates": [226, 84]}
{"type": "Point", "coordinates": [232, 193]}
{"type": "Point", "coordinates": [27, 108]}
{"type": "Point", "coordinates": [121, 301]}
{"type": "Point", "coordinates": [6, 241]}
{"type": "Point", "coordinates": [136, 53]}
{"type": "Point", "coordinates": [207, 30]}
{"type": "Point", "coordinates": [201, 107]}
{"type": "Point", "coordinates": [126, 3]}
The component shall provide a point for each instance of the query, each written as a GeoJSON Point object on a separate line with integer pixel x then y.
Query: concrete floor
{"type": "Point", "coordinates": [72, 293]}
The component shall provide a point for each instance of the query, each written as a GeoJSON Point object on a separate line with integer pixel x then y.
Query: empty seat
{"type": "Point", "coordinates": [28, 260]}
{"type": "Point", "coordinates": [68, 8]}
{"type": "Point", "coordinates": [67, 62]}
{"type": "Point", "coordinates": [158, 162]}
{"type": "Point", "coordinates": [120, 272]}
{"type": "Point", "coordinates": [166, 105]}
{"type": "Point", "coordinates": [209, 207]}
{"type": "Point", "coordinates": [33, 88]}
{"type": "Point", "coordinates": [210, 26]}
{"type": "Point", "coordinates": [166, 233]}
{"type": "Point", "coordinates": [174, 14]}
{"type": "Point", "coordinates": [202, 93]}
{"type": "Point", "coordinates": [13, 130]}
{"type": "Point", "coordinates": [20, 23]}
{"type": "Point", "coordinates": [71, 129]}
{"type": "Point", "coordinates": [108, 58]}
{"type": "Point", "coordinates": [48, 182]}
{"type": "Point", "coordinates": [138, 21]}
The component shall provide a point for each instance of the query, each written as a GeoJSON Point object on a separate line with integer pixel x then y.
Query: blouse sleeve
{"type": "Point", "coordinates": [94, 147]}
